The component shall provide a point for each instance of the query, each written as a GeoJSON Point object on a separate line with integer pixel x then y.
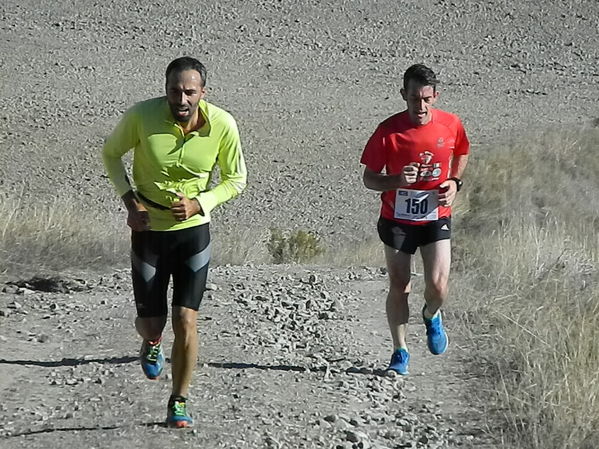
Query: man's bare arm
{"type": "Point", "coordinates": [458, 166]}
{"type": "Point", "coordinates": [382, 182]}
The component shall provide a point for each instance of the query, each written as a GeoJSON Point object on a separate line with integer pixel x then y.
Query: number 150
{"type": "Point", "coordinates": [415, 206]}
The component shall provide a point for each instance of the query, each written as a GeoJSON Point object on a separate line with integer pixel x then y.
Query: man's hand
{"type": "Point", "coordinates": [185, 208]}
{"type": "Point", "coordinates": [409, 173]}
{"type": "Point", "coordinates": [138, 219]}
{"type": "Point", "coordinates": [383, 182]}
{"type": "Point", "coordinates": [137, 214]}
{"type": "Point", "coordinates": [447, 192]}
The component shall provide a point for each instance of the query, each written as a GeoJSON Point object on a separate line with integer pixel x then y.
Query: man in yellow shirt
{"type": "Point", "coordinates": [178, 140]}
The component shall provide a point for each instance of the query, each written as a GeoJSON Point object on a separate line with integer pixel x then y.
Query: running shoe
{"type": "Point", "coordinates": [399, 361]}
{"type": "Point", "coordinates": [177, 415]}
{"type": "Point", "coordinates": [151, 358]}
{"type": "Point", "coordinates": [436, 337]}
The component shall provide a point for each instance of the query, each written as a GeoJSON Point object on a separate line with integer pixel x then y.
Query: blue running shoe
{"type": "Point", "coordinates": [177, 415]}
{"type": "Point", "coordinates": [436, 337]}
{"type": "Point", "coordinates": [399, 361]}
{"type": "Point", "coordinates": [151, 358]}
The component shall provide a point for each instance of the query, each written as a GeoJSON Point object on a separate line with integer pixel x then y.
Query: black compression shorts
{"type": "Point", "coordinates": [406, 238]}
{"type": "Point", "coordinates": [158, 255]}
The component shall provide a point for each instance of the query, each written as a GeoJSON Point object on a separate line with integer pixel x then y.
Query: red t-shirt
{"type": "Point", "coordinates": [397, 142]}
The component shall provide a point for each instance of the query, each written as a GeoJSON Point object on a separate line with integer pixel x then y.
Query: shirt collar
{"type": "Point", "coordinates": [204, 110]}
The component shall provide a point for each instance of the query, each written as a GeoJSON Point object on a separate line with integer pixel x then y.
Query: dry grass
{"type": "Point", "coordinates": [38, 237]}
{"type": "Point", "coordinates": [240, 246]}
{"type": "Point", "coordinates": [527, 245]}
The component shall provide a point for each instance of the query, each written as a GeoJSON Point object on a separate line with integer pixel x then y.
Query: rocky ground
{"type": "Point", "coordinates": [291, 356]}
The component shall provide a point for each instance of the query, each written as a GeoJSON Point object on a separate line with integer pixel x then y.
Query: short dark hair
{"type": "Point", "coordinates": [422, 75]}
{"type": "Point", "coordinates": [187, 63]}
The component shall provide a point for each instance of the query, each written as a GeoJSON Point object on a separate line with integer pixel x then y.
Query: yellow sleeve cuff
{"type": "Point", "coordinates": [208, 201]}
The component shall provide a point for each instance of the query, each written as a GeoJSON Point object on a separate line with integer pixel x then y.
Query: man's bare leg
{"type": "Point", "coordinates": [436, 258]}
{"type": "Point", "coordinates": [150, 329]}
{"type": "Point", "coordinates": [185, 349]}
{"type": "Point", "coordinates": [398, 311]}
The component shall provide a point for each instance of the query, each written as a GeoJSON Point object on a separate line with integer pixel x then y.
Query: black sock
{"type": "Point", "coordinates": [174, 398]}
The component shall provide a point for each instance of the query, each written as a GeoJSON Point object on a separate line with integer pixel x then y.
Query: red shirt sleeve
{"type": "Point", "coordinates": [374, 155]}
{"type": "Point", "coordinates": [462, 144]}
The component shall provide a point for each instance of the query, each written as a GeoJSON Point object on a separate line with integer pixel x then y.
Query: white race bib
{"type": "Point", "coordinates": [417, 205]}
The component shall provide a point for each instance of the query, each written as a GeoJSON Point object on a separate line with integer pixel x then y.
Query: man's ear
{"type": "Point", "coordinates": [402, 91]}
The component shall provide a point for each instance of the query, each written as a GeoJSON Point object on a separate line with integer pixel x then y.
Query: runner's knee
{"type": "Point", "coordinates": [184, 319]}
{"type": "Point", "coordinates": [151, 326]}
{"type": "Point", "coordinates": [437, 290]}
{"type": "Point", "coordinates": [399, 281]}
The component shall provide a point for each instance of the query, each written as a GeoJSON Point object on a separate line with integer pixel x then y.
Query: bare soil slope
{"type": "Point", "coordinates": [308, 82]}
{"type": "Point", "coordinates": [291, 356]}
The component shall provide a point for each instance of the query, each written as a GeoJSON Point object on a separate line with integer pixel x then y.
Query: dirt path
{"type": "Point", "coordinates": [291, 358]}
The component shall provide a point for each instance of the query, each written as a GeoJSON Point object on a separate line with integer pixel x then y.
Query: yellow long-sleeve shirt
{"type": "Point", "coordinates": [166, 161]}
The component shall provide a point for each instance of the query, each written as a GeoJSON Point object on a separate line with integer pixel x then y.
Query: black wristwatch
{"type": "Point", "coordinates": [458, 182]}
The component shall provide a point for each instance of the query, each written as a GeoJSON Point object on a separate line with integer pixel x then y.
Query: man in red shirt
{"type": "Point", "coordinates": [416, 158]}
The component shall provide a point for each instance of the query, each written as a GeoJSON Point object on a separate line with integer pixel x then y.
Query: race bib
{"type": "Point", "coordinates": [417, 205]}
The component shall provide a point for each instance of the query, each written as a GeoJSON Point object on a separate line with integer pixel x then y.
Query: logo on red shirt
{"type": "Point", "coordinates": [428, 171]}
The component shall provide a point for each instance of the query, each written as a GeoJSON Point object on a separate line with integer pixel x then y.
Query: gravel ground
{"type": "Point", "coordinates": [291, 358]}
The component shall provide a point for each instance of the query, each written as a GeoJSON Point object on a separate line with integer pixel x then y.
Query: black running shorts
{"type": "Point", "coordinates": [158, 255]}
{"type": "Point", "coordinates": [406, 238]}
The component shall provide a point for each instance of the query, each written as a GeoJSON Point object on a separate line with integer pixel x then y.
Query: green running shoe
{"type": "Point", "coordinates": [151, 359]}
{"type": "Point", "coordinates": [177, 415]}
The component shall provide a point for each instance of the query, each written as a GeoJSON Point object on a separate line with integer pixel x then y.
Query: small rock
{"type": "Point", "coordinates": [345, 445]}
{"type": "Point", "coordinates": [11, 289]}
{"type": "Point", "coordinates": [313, 279]}
{"type": "Point", "coordinates": [336, 305]}
{"type": "Point", "coordinates": [43, 338]}
{"type": "Point", "coordinates": [25, 291]}
{"type": "Point", "coordinates": [355, 436]}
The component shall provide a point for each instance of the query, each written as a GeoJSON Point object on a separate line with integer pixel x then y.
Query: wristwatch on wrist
{"type": "Point", "coordinates": [458, 182]}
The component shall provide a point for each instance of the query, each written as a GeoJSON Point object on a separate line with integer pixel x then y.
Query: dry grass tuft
{"type": "Point", "coordinates": [527, 250]}
{"type": "Point", "coordinates": [38, 237]}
